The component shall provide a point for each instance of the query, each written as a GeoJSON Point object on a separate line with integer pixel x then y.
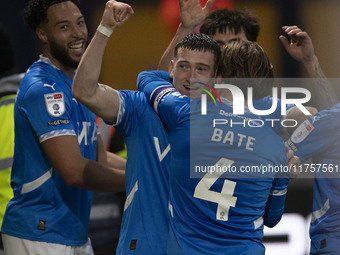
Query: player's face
{"type": "Point", "coordinates": [191, 64]}
{"type": "Point", "coordinates": [223, 38]}
{"type": "Point", "coordinates": [66, 34]}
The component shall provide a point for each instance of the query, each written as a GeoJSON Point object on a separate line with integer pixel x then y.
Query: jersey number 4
{"type": "Point", "coordinates": [225, 198]}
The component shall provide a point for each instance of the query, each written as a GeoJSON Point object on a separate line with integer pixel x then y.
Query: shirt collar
{"type": "Point", "coordinates": [46, 60]}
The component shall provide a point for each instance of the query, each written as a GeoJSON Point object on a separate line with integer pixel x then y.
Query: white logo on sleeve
{"type": "Point", "coordinates": [48, 85]}
{"type": "Point", "coordinates": [55, 104]}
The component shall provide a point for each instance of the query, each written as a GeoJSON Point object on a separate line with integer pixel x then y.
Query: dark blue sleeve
{"type": "Point", "coordinates": [147, 81]}
{"type": "Point", "coordinates": [276, 202]}
{"type": "Point", "coordinates": [162, 96]}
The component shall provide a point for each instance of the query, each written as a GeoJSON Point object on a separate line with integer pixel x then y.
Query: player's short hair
{"type": "Point", "coordinates": [222, 21]}
{"type": "Point", "coordinates": [246, 59]}
{"type": "Point", "coordinates": [36, 11]}
{"type": "Point", "coordinates": [200, 42]}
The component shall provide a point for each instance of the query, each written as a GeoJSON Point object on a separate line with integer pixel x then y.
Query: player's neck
{"type": "Point", "coordinates": [69, 71]}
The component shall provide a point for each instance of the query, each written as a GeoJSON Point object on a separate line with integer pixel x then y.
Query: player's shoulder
{"type": "Point", "coordinates": [44, 87]}
{"type": "Point", "coordinates": [40, 73]}
{"type": "Point", "coordinates": [131, 96]}
{"type": "Point", "coordinates": [134, 104]}
{"type": "Point", "coordinates": [332, 112]}
{"type": "Point", "coordinates": [46, 92]}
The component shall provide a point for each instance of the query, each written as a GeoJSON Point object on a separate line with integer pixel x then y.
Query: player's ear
{"type": "Point", "coordinates": [41, 34]}
{"type": "Point", "coordinates": [171, 68]}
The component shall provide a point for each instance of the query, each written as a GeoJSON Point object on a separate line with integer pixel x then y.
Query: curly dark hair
{"type": "Point", "coordinates": [36, 11]}
{"type": "Point", "coordinates": [232, 20]}
{"type": "Point", "coordinates": [200, 42]}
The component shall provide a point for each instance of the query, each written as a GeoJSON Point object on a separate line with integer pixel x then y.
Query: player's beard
{"type": "Point", "coordinates": [60, 53]}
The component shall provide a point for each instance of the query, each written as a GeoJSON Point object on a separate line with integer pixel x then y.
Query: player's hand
{"type": "Point", "coordinates": [300, 46]}
{"type": "Point", "coordinates": [293, 162]}
{"type": "Point", "coordinates": [191, 12]}
{"type": "Point", "coordinates": [115, 14]}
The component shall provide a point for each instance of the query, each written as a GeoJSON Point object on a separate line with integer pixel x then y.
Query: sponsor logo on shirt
{"type": "Point", "coordinates": [302, 132]}
{"type": "Point", "coordinates": [55, 104]}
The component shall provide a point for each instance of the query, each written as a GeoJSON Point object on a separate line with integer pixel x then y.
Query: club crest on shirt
{"type": "Point", "coordinates": [55, 104]}
{"type": "Point", "coordinates": [302, 132]}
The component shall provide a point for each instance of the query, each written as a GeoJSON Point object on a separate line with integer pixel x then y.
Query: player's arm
{"type": "Point", "coordinates": [276, 202]}
{"type": "Point", "coordinates": [108, 158]}
{"type": "Point", "coordinates": [100, 99]}
{"type": "Point", "coordinates": [293, 162]}
{"type": "Point", "coordinates": [149, 81]}
{"type": "Point", "coordinates": [296, 114]}
{"type": "Point", "coordinates": [292, 111]}
{"type": "Point", "coordinates": [315, 136]}
{"type": "Point", "coordinates": [75, 170]}
{"type": "Point", "coordinates": [192, 14]}
{"type": "Point", "coordinates": [115, 161]}
{"type": "Point", "coordinates": [156, 85]}
{"type": "Point", "coordinates": [162, 96]}
{"type": "Point", "coordinates": [300, 47]}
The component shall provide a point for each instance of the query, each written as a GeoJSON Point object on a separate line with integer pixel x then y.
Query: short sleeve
{"type": "Point", "coordinates": [48, 108]}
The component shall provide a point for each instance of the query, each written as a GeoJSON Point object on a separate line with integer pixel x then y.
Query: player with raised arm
{"type": "Point", "coordinates": [145, 223]}
{"type": "Point", "coordinates": [223, 25]}
{"type": "Point", "coordinates": [211, 213]}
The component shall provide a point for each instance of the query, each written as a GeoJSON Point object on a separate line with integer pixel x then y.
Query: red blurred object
{"type": "Point", "coordinates": [169, 10]}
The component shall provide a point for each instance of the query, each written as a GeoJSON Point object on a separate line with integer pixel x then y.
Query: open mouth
{"type": "Point", "coordinates": [76, 46]}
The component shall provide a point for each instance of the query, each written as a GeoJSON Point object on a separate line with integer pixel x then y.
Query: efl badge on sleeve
{"type": "Point", "coordinates": [302, 132]}
{"type": "Point", "coordinates": [55, 104]}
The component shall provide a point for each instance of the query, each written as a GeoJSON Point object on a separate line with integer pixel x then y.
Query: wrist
{"type": "Point", "coordinates": [104, 30]}
{"type": "Point", "coordinates": [185, 29]}
{"type": "Point", "coordinates": [312, 61]}
{"type": "Point", "coordinates": [311, 65]}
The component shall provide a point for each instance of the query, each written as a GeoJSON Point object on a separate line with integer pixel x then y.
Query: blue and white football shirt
{"type": "Point", "coordinates": [212, 213]}
{"type": "Point", "coordinates": [44, 208]}
{"type": "Point", "coordinates": [145, 225]}
{"type": "Point", "coordinates": [319, 138]}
